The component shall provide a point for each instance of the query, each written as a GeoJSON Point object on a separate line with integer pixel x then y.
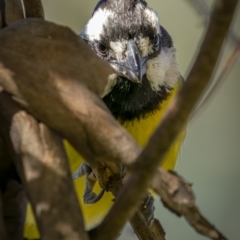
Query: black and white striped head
{"type": "Point", "coordinates": [127, 34]}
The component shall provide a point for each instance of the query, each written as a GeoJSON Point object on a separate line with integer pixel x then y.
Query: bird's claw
{"type": "Point", "coordinates": [89, 196]}
{"type": "Point", "coordinates": [84, 169]}
{"type": "Point", "coordinates": [148, 208]}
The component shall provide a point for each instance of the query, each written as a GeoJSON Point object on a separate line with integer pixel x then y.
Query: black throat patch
{"type": "Point", "coordinates": [129, 101]}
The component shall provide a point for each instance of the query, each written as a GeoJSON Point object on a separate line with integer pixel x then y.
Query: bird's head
{"type": "Point", "coordinates": [127, 34]}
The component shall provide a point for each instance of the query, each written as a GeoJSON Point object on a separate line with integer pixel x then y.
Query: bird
{"type": "Point", "coordinates": [127, 34]}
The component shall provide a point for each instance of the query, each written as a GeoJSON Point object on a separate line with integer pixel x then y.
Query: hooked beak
{"type": "Point", "coordinates": [133, 67]}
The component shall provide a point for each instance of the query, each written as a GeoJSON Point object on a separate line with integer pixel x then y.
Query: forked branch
{"type": "Point", "coordinates": [56, 71]}
{"type": "Point", "coordinates": [175, 119]}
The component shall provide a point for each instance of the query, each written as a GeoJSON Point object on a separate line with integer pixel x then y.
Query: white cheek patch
{"type": "Point", "coordinates": [119, 48]}
{"type": "Point", "coordinates": [145, 46]}
{"type": "Point", "coordinates": [162, 70]}
{"type": "Point", "coordinates": [94, 27]}
{"type": "Point", "coordinates": [152, 17]}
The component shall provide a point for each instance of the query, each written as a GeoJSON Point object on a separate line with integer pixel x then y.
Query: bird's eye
{"type": "Point", "coordinates": [101, 48]}
{"type": "Point", "coordinates": [156, 42]}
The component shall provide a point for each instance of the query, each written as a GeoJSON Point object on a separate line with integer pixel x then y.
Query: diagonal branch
{"type": "Point", "coordinates": [66, 88]}
{"type": "Point", "coordinates": [141, 227]}
{"type": "Point", "coordinates": [234, 55]}
{"type": "Point", "coordinates": [97, 139]}
{"type": "Point", "coordinates": [175, 119]}
{"type": "Point", "coordinates": [177, 195]}
{"type": "Point", "coordinates": [202, 9]}
{"type": "Point", "coordinates": [33, 8]}
{"type": "Point", "coordinates": [44, 163]}
{"type": "Point", "coordinates": [13, 11]}
{"type": "Point", "coordinates": [41, 162]}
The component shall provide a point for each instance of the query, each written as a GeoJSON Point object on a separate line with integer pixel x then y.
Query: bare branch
{"type": "Point", "coordinates": [13, 195]}
{"type": "Point", "coordinates": [143, 222]}
{"type": "Point", "coordinates": [44, 163]}
{"type": "Point", "coordinates": [66, 88]}
{"type": "Point", "coordinates": [201, 7]}
{"type": "Point", "coordinates": [157, 229]}
{"type": "Point", "coordinates": [201, 224]}
{"type": "Point", "coordinates": [174, 191]}
{"type": "Point", "coordinates": [219, 81]}
{"type": "Point", "coordinates": [14, 10]}
{"type": "Point", "coordinates": [140, 227]}
{"type": "Point", "coordinates": [41, 161]}
{"type": "Point", "coordinates": [177, 195]}
{"type": "Point", "coordinates": [97, 139]}
{"type": "Point", "coordinates": [33, 8]}
{"type": "Point", "coordinates": [175, 119]}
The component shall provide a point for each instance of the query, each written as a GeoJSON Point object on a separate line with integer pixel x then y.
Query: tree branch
{"type": "Point", "coordinates": [66, 88]}
{"type": "Point", "coordinates": [234, 55]}
{"type": "Point", "coordinates": [33, 9]}
{"type": "Point", "coordinates": [14, 10]}
{"type": "Point", "coordinates": [97, 139]}
{"type": "Point", "coordinates": [177, 195]}
{"type": "Point", "coordinates": [41, 160]}
{"type": "Point", "coordinates": [141, 227]}
{"type": "Point", "coordinates": [44, 163]}
{"type": "Point", "coordinates": [174, 120]}
{"type": "Point", "coordinates": [13, 195]}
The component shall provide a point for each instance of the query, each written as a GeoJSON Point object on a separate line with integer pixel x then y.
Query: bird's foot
{"type": "Point", "coordinates": [84, 169]}
{"type": "Point", "coordinates": [89, 196]}
{"type": "Point", "coordinates": [147, 208]}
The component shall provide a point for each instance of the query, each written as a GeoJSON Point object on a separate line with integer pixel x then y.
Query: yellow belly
{"type": "Point", "coordinates": [141, 130]}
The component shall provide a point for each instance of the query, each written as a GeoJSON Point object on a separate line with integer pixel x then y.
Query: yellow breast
{"type": "Point", "coordinates": [141, 130]}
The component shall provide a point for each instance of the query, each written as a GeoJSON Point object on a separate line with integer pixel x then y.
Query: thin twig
{"type": "Point", "coordinates": [219, 81]}
{"type": "Point", "coordinates": [202, 9]}
{"type": "Point", "coordinates": [177, 195]}
{"type": "Point", "coordinates": [13, 11]}
{"type": "Point", "coordinates": [29, 90]}
{"type": "Point", "coordinates": [141, 228]}
{"type": "Point", "coordinates": [33, 8]}
{"type": "Point", "coordinates": [157, 229]}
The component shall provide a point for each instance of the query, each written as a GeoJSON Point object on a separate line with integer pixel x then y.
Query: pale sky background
{"type": "Point", "coordinates": [210, 157]}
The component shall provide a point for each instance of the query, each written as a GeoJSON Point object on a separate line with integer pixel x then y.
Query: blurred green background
{"type": "Point", "coordinates": [210, 156]}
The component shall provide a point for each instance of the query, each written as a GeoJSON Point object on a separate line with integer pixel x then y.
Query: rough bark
{"type": "Point", "coordinates": [40, 160]}
{"type": "Point", "coordinates": [66, 88]}
{"type": "Point", "coordinates": [38, 80]}
{"type": "Point", "coordinates": [175, 119]}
